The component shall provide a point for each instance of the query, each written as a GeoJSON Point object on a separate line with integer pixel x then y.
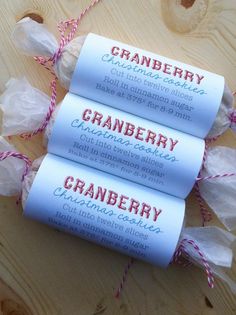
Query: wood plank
{"type": "Point", "coordinates": [44, 271]}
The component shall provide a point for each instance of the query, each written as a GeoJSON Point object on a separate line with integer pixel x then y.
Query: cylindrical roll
{"type": "Point", "coordinates": [124, 216]}
{"type": "Point", "coordinates": [126, 222]}
{"type": "Point", "coordinates": [154, 87]}
{"type": "Point", "coordinates": [125, 145]}
{"type": "Point", "coordinates": [108, 210]}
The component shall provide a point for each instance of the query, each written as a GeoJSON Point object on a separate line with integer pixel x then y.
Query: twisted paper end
{"type": "Point", "coordinates": [181, 252]}
{"type": "Point", "coordinates": [8, 154]}
{"type": "Point", "coordinates": [205, 213]}
{"type": "Point", "coordinates": [48, 63]}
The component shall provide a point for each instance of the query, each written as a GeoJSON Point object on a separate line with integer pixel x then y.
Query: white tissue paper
{"type": "Point", "coordinates": [218, 247]}
{"type": "Point", "coordinates": [220, 193]}
{"type": "Point", "coordinates": [23, 107]}
{"type": "Point", "coordinates": [11, 172]}
{"type": "Point", "coordinates": [33, 39]}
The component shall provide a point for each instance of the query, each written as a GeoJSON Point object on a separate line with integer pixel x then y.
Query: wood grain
{"type": "Point", "coordinates": [44, 271]}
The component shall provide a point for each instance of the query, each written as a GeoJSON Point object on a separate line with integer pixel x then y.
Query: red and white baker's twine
{"type": "Point", "coordinates": [215, 176]}
{"type": "Point", "coordinates": [8, 154]}
{"type": "Point", "coordinates": [232, 117]}
{"type": "Point", "coordinates": [205, 213]}
{"type": "Point", "coordinates": [182, 251]}
{"type": "Point", "coordinates": [124, 277]}
{"type": "Point", "coordinates": [48, 63]}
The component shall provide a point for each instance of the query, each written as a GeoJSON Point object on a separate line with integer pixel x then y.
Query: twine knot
{"type": "Point", "coordinates": [8, 154]}
{"type": "Point", "coordinates": [232, 118]}
{"type": "Point", "coordinates": [181, 252]}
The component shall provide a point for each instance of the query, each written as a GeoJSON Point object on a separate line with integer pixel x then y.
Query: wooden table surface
{"type": "Point", "coordinates": [43, 271]}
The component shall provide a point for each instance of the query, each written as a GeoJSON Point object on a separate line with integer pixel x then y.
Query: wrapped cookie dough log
{"type": "Point", "coordinates": [33, 39]}
{"type": "Point", "coordinates": [117, 214]}
{"type": "Point", "coordinates": [108, 139]}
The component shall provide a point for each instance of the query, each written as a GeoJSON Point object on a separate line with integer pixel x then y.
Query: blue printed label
{"type": "Point", "coordinates": [107, 210]}
{"type": "Point", "coordinates": [122, 144]}
{"type": "Point", "coordinates": [148, 85]}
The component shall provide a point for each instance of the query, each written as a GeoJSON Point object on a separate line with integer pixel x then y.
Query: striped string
{"type": "Point", "coordinates": [64, 40]}
{"type": "Point", "coordinates": [198, 179]}
{"type": "Point", "coordinates": [205, 213]}
{"type": "Point", "coordinates": [48, 63]}
{"type": "Point", "coordinates": [8, 154]}
{"type": "Point", "coordinates": [124, 277]}
{"type": "Point", "coordinates": [182, 252]}
{"type": "Point", "coordinates": [180, 257]}
{"type": "Point", "coordinates": [232, 118]}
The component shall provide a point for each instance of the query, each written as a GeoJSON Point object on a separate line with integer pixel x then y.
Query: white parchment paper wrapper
{"type": "Point", "coordinates": [220, 193]}
{"type": "Point", "coordinates": [215, 244]}
{"type": "Point", "coordinates": [33, 39]}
